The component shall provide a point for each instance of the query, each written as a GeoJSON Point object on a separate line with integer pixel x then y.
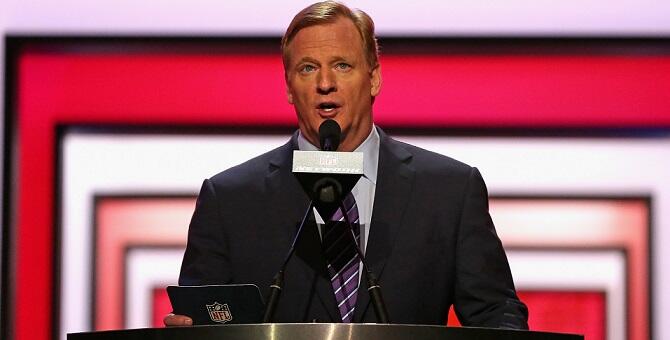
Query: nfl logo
{"type": "Point", "coordinates": [219, 312]}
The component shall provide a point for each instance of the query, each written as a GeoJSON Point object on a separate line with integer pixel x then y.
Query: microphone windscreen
{"type": "Point", "coordinates": [329, 135]}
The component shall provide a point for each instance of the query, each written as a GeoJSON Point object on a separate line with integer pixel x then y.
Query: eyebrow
{"type": "Point", "coordinates": [341, 58]}
{"type": "Point", "coordinates": [307, 59]}
{"type": "Point", "coordinates": [332, 60]}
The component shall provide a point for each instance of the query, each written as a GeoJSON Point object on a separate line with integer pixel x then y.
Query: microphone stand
{"type": "Point", "coordinates": [373, 287]}
{"type": "Point", "coordinates": [278, 281]}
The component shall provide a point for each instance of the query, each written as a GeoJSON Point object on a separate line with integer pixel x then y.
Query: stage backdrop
{"type": "Point", "coordinates": [112, 137]}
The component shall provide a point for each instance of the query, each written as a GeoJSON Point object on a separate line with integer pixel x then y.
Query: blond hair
{"type": "Point", "coordinates": [327, 12]}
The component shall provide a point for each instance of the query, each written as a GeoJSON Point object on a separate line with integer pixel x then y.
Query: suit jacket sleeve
{"type": "Point", "coordinates": [484, 291]}
{"type": "Point", "coordinates": [206, 259]}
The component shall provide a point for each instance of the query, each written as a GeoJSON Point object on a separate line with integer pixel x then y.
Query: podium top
{"type": "Point", "coordinates": [312, 331]}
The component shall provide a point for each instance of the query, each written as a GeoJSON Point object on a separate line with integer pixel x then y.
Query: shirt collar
{"type": "Point", "coordinates": [369, 148]}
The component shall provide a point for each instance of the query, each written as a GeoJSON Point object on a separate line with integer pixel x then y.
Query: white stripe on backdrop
{"type": "Point", "coordinates": [393, 17]}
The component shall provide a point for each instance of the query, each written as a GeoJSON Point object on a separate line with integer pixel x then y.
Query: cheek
{"type": "Point", "coordinates": [302, 110]}
{"type": "Point", "coordinates": [361, 98]}
{"type": "Point", "coordinates": [302, 106]}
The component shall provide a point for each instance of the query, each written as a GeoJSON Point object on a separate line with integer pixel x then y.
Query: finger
{"type": "Point", "coordinates": [172, 320]}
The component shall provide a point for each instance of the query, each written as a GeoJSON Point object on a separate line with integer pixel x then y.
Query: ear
{"type": "Point", "coordinates": [375, 80]}
{"type": "Point", "coordinates": [289, 95]}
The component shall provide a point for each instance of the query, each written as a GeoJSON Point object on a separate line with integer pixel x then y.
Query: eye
{"type": "Point", "coordinates": [342, 67]}
{"type": "Point", "coordinates": [307, 68]}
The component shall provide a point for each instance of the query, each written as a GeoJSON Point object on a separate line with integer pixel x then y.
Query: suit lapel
{"type": "Point", "coordinates": [307, 269]}
{"type": "Point", "coordinates": [395, 178]}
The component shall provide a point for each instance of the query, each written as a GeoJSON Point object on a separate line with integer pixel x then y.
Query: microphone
{"type": "Point", "coordinates": [329, 135]}
{"type": "Point", "coordinates": [329, 189]}
{"type": "Point", "coordinates": [327, 176]}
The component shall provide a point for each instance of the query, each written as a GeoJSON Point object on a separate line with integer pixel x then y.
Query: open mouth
{"type": "Point", "coordinates": [328, 106]}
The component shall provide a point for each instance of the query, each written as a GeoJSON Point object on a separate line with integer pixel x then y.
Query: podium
{"type": "Point", "coordinates": [317, 331]}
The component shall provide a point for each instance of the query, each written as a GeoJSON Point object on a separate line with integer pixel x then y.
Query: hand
{"type": "Point", "coordinates": [174, 320]}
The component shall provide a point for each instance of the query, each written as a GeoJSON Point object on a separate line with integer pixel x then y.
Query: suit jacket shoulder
{"type": "Point", "coordinates": [430, 161]}
{"type": "Point", "coordinates": [251, 173]}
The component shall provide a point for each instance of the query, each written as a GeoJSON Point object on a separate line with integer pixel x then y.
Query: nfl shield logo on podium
{"type": "Point", "coordinates": [219, 312]}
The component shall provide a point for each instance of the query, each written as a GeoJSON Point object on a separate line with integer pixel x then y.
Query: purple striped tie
{"type": "Point", "coordinates": [342, 258]}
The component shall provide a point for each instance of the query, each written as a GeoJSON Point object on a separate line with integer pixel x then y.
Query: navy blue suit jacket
{"type": "Point", "coordinates": [431, 244]}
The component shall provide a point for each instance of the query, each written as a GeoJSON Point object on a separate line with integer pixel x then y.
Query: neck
{"type": "Point", "coordinates": [351, 142]}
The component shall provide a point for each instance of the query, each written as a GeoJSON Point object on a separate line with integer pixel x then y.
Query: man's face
{"type": "Point", "coordinates": [327, 76]}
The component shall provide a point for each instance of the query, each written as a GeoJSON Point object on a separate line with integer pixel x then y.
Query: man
{"type": "Point", "coordinates": [429, 238]}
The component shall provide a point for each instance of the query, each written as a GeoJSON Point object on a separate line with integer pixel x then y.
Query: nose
{"type": "Point", "coordinates": [326, 82]}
